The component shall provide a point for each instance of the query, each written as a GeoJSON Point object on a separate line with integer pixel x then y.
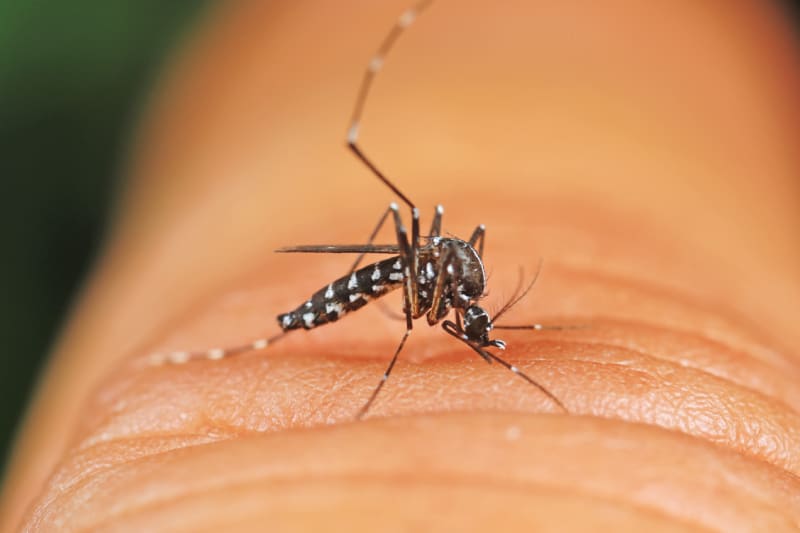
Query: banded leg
{"type": "Point", "coordinates": [541, 327]}
{"type": "Point", "coordinates": [454, 330]}
{"type": "Point", "coordinates": [180, 357]}
{"type": "Point", "coordinates": [436, 225]}
{"type": "Point", "coordinates": [405, 255]}
{"type": "Point", "coordinates": [385, 377]}
{"type": "Point", "coordinates": [478, 235]}
{"type": "Point", "coordinates": [438, 290]}
{"type": "Point", "coordinates": [373, 68]}
{"type": "Point", "coordinates": [413, 263]}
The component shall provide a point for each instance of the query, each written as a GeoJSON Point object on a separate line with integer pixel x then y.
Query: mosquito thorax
{"type": "Point", "coordinates": [466, 268]}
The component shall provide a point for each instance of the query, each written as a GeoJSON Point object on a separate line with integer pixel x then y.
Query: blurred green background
{"type": "Point", "coordinates": [73, 76]}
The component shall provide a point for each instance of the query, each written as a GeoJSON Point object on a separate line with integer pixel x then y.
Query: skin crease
{"type": "Point", "coordinates": [648, 158]}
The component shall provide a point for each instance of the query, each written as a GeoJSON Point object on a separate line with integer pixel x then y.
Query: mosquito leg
{"type": "Point", "coordinates": [453, 330]}
{"type": "Point", "coordinates": [436, 225]}
{"type": "Point", "coordinates": [405, 255]}
{"type": "Point", "coordinates": [373, 68]}
{"type": "Point", "coordinates": [180, 357]}
{"type": "Point", "coordinates": [524, 376]}
{"type": "Point", "coordinates": [366, 406]}
{"type": "Point", "coordinates": [413, 263]}
{"type": "Point", "coordinates": [371, 238]}
{"type": "Point", "coordinates": [541, 327]}
{"type": "Point", "coordinates": [438, 290]}
{"type": "Point", "coordinates": [478, 235]}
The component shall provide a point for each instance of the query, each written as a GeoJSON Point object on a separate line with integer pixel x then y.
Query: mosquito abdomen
{"type": "Point", "coordinates": [346, 294]}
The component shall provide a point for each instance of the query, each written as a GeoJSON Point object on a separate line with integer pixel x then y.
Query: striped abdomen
{"type": "Point", "coordinates": [345, 295]}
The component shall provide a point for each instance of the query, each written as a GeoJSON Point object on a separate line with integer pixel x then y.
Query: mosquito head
{"type": "Point", "coordinates": [477, 325]}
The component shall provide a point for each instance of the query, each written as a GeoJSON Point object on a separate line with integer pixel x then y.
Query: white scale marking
{"type": "Point", "coordinates": [515, 369]}
{"type": "Point", "coordinates": [376, 64]}
{"type": "Point", "coordinates": [308, 319]}
{"type": "Point", "coordinates": [308, 304]}
{"type": "Point", "coordinates": [333, 308]}
{"type": "Point", "coordinates": [397, 265]}
{"type": "Point", "coordinates": [355, 296]}
{"type": "Point", "coordinates": [178, 357]}
{"type": "Point", "coordinates": [378, 288]}
{"type": "Point", "coordinates": [352, 283]}
{"type": "Point", "coordinates": [260, 344]}
{"type": "Point", "coordinates": [429, 271]}
{"type": "Point", "coordinates": [216, 353]}
{"type": "Point", "coordinates": [396, 276]}
{"type": "Point", "coordinates": [407, 18]}
{"type": "Point", "coordinates": [352, 135]}
{"type": "Point", "coordinates": [329, 292]}
{"type": "Point", "coordinates": [287, 320]}
{"type": "Point", "coordinates": [376, 274]}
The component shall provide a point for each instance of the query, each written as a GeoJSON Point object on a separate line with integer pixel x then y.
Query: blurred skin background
{"type": "Point", "coordinates": [72, 80]}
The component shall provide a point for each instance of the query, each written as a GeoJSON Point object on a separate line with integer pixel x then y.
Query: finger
{"type": "Point", "coordinates": [697, 295]}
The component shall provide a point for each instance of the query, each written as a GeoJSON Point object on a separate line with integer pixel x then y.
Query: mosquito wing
{"type": "Point", "coordinates": [341, 249]}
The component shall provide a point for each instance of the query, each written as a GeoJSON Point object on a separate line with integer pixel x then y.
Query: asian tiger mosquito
{"type": "Point", "coordinates": [438, 275]}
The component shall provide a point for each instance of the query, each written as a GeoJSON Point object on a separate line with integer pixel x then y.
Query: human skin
{"type": "Point", "coordinates": [648, 158]}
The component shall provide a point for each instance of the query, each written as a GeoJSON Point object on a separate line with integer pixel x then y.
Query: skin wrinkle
{"type": "Point", "coordinates": [309, 372]}
{"type": "Point", "coordinates": [292, 378]}
{"type": "Point", "coordinates": [528, 491]}
{"type": "Point", "coordinates": [75, 472]}
{"type": "Point", "coordinates": [572, 347]}
{"type": "Point", "coordinates": [319, 466]}
{"type": "Point", "coordinates": [451, 483]}
{"type": "Point", "coordinates": [759, 345]}
{"type": "Point", "coordinates": [669, 407]}
{"type": "Point", "coordinates": [721, 366]}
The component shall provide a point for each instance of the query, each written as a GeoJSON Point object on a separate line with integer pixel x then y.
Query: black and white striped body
{"type": "Point", "coordinates": [464, 281]}
{"type": "Point", "coordinates": [346, 294]}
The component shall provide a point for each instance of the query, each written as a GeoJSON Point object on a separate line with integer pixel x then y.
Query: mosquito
{"type": "Point", "coordinates": [437, 274]}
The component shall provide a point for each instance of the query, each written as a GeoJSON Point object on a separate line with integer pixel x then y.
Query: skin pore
{"type": "Point", "coordinates": [648, 158]}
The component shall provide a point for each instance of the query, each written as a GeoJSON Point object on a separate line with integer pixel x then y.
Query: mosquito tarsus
{"type": "Point", "coordinates": [437, 274]}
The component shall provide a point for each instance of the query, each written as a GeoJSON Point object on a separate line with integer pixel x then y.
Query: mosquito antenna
{"type": "Point", "coordinates": [516, 298]}
{"type": "Point", "coordinates": [374, 66]}
{"type": "Point", "coordinates": [514, 294]}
